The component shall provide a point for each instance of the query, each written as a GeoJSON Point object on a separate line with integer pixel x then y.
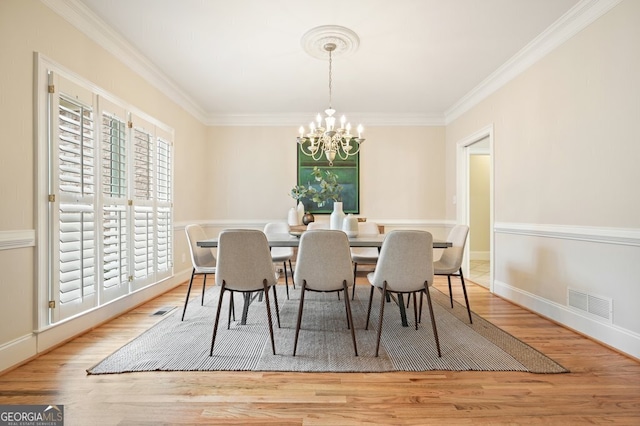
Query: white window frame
{"type": "Point", "coordinates": [45, 112]}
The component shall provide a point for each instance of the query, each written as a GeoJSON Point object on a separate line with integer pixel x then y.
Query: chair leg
{"type": "Point", "coordinates": [266, 300]}
{"type": "Point", "coordinates": [350, 316]}
{"type": "Point", "coordinates": [466, 299]}
{"type": "Point", "coordinates": [230, 309]}
{"type": "Point", "coordinates": [450, 292]}
{"type": "Point", "coordinates": [366, 327]}
{"type": "Point", "coordinates": [355, 270]}
{"type": "Point", "coordinates": [186, 300]}
{"type": "Point", "coordinates": [291, 270]}
{"type": "Point", "coordinates": [415, 309]}
{"type": "Point", "coordinates": [384, 294]}
{"type": "Point", "coordinates": [275, 299]}
{"type": "Point", "coordinates": [420, 315]}
{"type": "Point", "coordinates": [233, 306]}
{"type": "Point", "coordinates": [204, 286]}
{"type": "Point", "coordinates": [433, 319]}
{"type": "Point", "coordinates": [215, 324]}
{"type": "Point", "coordinates": [286, 279]}
{"type": "Point", "coordinates": [295, 342]}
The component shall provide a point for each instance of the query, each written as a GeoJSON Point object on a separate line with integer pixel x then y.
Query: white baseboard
{"type": "Point", "coordinates": [31, 345]}
{"type": "Point", "coordinates": [616, 337]}
{"type": "Point", "coordinates": [17, 351]}
{"type": "Point", "coordinates": [480, 255]}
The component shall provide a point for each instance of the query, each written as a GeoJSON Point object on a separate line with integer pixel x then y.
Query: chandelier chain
{"type": "Point", "coordinates": [330, 79]}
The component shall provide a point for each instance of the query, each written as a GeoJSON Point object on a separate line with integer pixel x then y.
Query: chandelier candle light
{"type": "Point", "coordinates": [330, 140]}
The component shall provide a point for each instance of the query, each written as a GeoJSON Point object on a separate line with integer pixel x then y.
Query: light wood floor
{"type": "Point", "coordinates": [603, 386]}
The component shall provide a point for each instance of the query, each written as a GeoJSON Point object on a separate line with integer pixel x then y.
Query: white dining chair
{"type": "Point", "coordinates": [405, 266]}
{"type": "Point", "coordinates": [281, 254]}
{"type": "Point", "coordinates": [202, 260]}
{"type": "Point", "coordinates": [245, 266]}
{"type": "Point", "coordinates": [364, 255]}
{"type": "Point", "coordinates": [450, 263]}
{"type": "Point", "coordinates": [324, 265]}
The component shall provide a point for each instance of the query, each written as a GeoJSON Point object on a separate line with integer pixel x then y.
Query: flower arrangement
{"type": "Point", "coordinates": [326, 188]}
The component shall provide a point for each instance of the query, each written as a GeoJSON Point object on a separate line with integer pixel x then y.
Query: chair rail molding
{"type": "Point", "coordinates": [618, 236]}
{"type": "Point", "coordinates": [17, 239]}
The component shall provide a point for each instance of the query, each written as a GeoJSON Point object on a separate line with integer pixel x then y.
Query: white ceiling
{"type": "Point", "coordinates": [417, 58]}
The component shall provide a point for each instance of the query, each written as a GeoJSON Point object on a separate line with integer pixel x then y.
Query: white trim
{"type": "Point", "coordinates": [619, 338]}
{"type": "Point", "coordinates": [618, 236]}
{"type": "Point", "coordinates": [480, 255]}
{"type": "Point", "coordinates": [17, 351]}
{"type": "Point", "coordinates": [463, 151]}
{"type": "Point", "coordinates": [87, 22]}
{"type": "Point", "coordinates": [294, 119]}
{"type": "Point", "coordinates": [10, 240]}
{"type": "Point", "coordinates": [575, 20]}
{"type": "Point", "coordinates": [259, 223]}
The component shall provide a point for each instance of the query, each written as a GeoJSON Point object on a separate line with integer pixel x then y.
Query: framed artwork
{"type": "Point", "coordinates": [348, 175]}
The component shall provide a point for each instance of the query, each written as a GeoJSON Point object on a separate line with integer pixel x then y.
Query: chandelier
{"type": "Point", "coordinates": [323, 137]}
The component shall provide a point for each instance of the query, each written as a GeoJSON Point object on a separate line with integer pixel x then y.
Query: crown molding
{"type": "Point", "coordinates": [577, 18]}
{"type": "Point", "coordinates": [572, 22]}
{"type": "Point", "coordinates": [87, 22]}
{"type": "Point", "coordinates": [296, 119]}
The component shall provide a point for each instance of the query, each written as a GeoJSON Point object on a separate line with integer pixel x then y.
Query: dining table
{"type": "Point", "coordinates": [292, 239]}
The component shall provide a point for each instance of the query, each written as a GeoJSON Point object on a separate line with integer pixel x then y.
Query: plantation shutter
{"type": "Point", "coordinates": [73, 183]}
{"type": "Point", "coordinates": [144, 223]}
{"type": "Point", "coordinates": [164, 203]}
{"type": "Point", "coordinates": [114, 191]}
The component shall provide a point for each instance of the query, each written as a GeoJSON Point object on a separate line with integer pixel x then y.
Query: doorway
{"type": "Point", "coordinates": [475, 204]}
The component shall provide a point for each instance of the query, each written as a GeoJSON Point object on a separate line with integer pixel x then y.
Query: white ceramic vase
{"type": "Point", "coordinates": [300, 210]}
{"type": "Point", "coordinates": [292, 218]}
{"type": "Point", "coordinates": [337, 216]}
{"type": "Point", "coordinates": [350, 225]}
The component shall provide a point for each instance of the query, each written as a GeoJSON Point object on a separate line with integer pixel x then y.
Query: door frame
{"type": "Point", "coordinates": [463, 152]}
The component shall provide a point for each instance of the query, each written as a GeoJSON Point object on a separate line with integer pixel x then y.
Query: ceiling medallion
{"type": "Point", "coordinates": [314, 41]}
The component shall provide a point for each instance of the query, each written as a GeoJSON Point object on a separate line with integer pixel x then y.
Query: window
{"type": "Point", "coordinates": [110, 211]}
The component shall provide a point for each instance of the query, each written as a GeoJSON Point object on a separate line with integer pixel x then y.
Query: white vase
{"type": "Point", "coordinates": [292, 218]}
{"type": "Point", "coordinates": [350, 225]}
{"type": "Point", "coordinates": [300, 210]}
{"type": "Point", "coordinates": [337, 216]}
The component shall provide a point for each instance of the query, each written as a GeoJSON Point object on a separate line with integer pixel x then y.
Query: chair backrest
{"type": "Point", "coordinates": [200, 256]}
{"type": "Point", "coordinates": [452, 257]}
{"type": "Point", "coordinates": [279, 228]}
{"type": "Point", "coordinates": [406, 261]}
{"type": "Point", "coordinates": [368, 228]}
{"type": "Point", "coordinates": [276, 228]}
{"type": "Point", "coordinates": [324, 260]}
{"type": "Point", "coordinates": [244, 260]}
{"type": "Point", "coordinates": [317, 225]}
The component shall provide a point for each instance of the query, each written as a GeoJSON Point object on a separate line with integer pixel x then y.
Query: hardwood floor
{"type": "Point", "coordinates": [603, 386]}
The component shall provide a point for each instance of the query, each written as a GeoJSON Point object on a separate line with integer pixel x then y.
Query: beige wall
{"type": "Point", "coordinates": [254, 168]}
{"type": "Point", "coordinates": [479, 213]}
{"type": "Point", "coordinates": [565, 175]}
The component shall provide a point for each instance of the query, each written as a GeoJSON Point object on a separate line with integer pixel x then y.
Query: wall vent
{"type": "Point", "coordinates": [598, 306]}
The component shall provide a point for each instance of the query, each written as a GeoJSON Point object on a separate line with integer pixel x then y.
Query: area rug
{"type": "Point", "coordinates": [325, 343]}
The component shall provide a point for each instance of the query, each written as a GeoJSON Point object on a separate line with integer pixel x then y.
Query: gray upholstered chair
{"type": "Point", "coordinates": [245, 265]}
{"type": "Point", "coordinates": [202, 260]}
{"type": "Point", "coordinates": [281, 254]}
{"type": "Point", "coordinates": [324, 265]}
{"type": "Point", "coordinates": [317, 225]}
{"type": "Point", "coordinates": [364, 255]}
{"type": "Point", "coordinates": [450, 263]}
{"type": "Point", "coordinates": [405, 266]}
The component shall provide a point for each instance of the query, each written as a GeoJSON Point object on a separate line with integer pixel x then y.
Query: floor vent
{"type": "Point", "coordinates": [164, 310]}
{"type": "Point", "coordinates": [598, 306]}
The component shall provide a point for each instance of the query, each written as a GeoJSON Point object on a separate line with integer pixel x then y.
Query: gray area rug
{"type": "Point", "coordinates": [325, 343]}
